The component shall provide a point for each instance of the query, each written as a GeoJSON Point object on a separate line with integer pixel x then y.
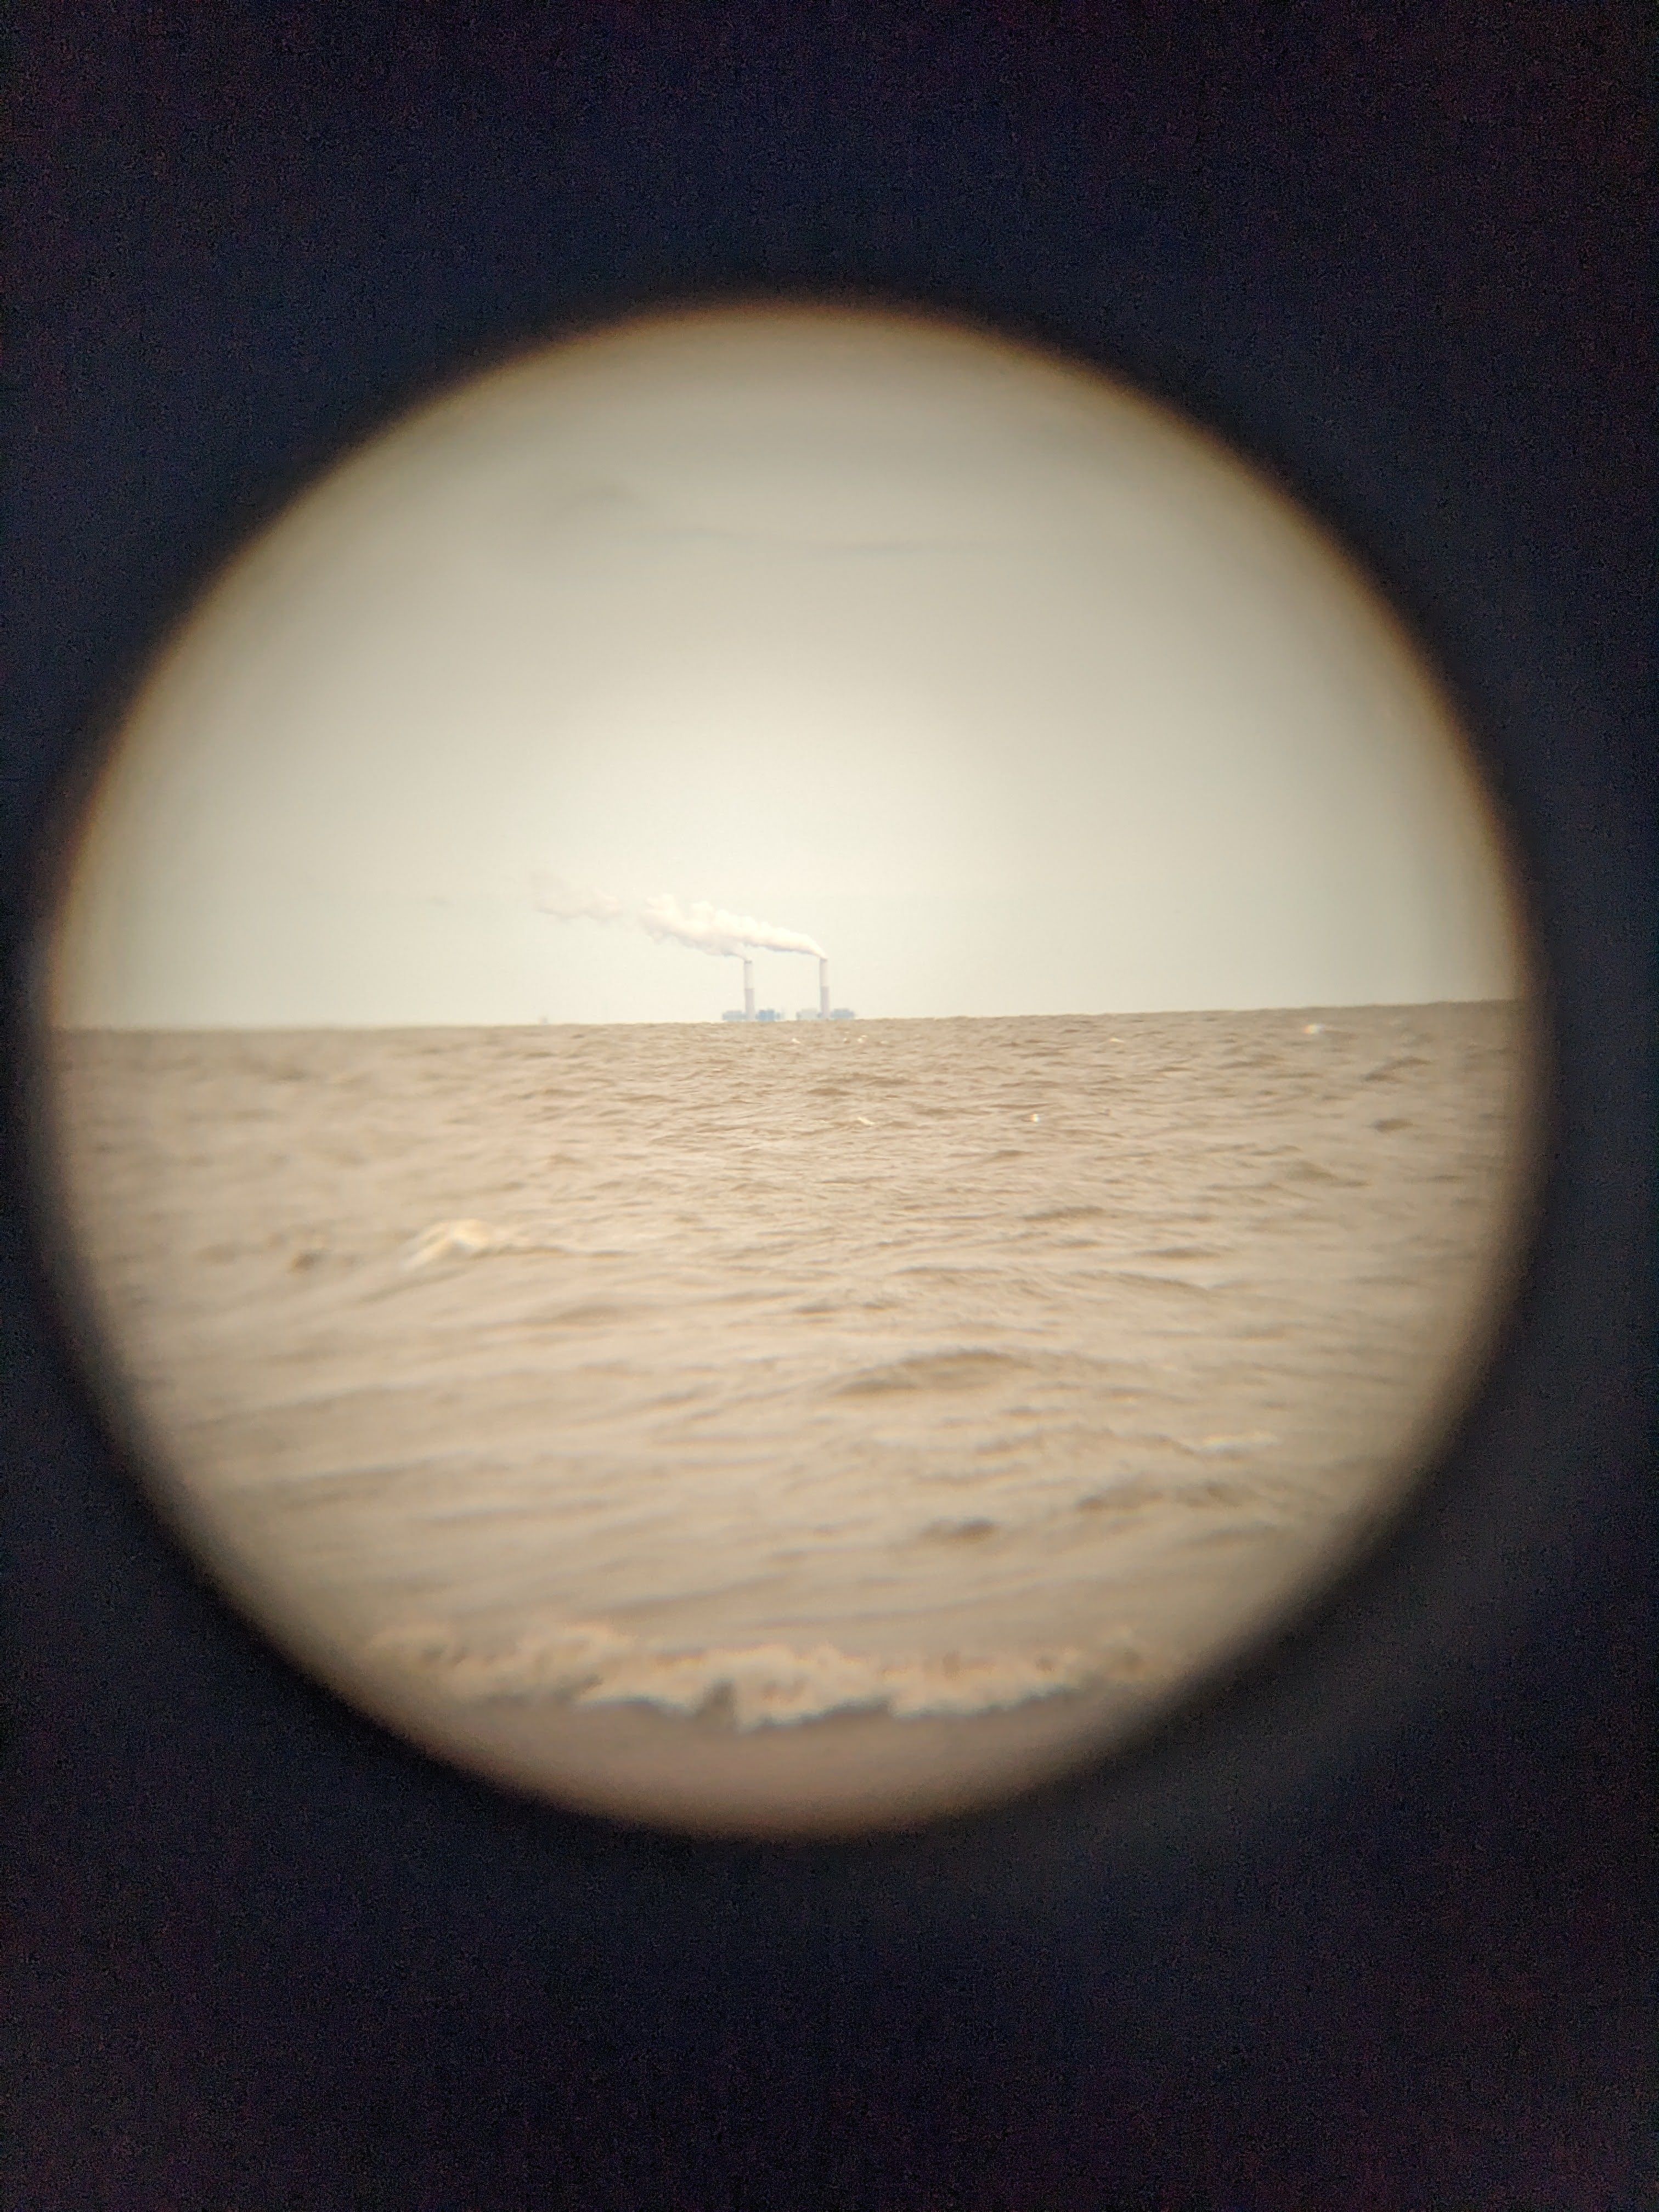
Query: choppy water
{"type": "Point", "coordinates": [921, 1367]}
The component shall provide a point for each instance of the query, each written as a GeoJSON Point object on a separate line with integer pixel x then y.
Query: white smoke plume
{"type": "Point", "coordinates": [558, 898]}
{"type": "Point", "coordinates": [712, 929]}
{"type": "Point", "coordinates": [706, 928]}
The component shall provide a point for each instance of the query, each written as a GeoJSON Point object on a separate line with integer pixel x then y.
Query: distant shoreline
{"type": "Point", "coordinates": [1312, 1011]}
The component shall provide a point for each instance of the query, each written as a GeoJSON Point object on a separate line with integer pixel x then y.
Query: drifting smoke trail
{"type": "Point", "coordinates": [711, 929]}
{"type": "Point", "coordinates": [578, 905]}
{"type": "Point", "coordinates": [706, 928]}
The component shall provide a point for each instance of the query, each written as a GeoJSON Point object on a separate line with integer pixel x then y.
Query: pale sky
{"type": "Point", "coordinates": [1017, 695]}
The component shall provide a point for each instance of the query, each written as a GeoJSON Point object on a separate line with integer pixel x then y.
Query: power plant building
{"type": "Point", "coordinates": [822, 1012]}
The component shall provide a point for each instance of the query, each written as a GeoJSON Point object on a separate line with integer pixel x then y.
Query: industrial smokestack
{"type": "Point", "coordinates": [824, 990]}
{"type": "Point", "coordinates": [749, 990]}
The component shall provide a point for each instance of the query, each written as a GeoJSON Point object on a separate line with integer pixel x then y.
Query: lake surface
{"type": "Point", "coordinates": [790, 1424]}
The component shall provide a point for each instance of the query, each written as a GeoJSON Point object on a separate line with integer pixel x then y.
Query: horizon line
{"type": "Point", "coordinates": [707, 1021]}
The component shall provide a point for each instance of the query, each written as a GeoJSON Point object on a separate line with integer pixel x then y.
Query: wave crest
{"type": "Point", "coordinates": [753, 1685]}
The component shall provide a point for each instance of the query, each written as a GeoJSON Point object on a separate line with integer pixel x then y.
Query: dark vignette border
{"type": "Point", "coordinates": [1509, 1538]}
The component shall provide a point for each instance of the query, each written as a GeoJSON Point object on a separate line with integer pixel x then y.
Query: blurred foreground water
{"type": "Point", "coordinates": [913, 1371]}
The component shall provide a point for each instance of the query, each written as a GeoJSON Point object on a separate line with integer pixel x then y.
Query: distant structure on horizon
{"type": "Point", "coordinates": [823, 1012]}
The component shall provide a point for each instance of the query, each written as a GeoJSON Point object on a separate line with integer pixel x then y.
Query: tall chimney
{"type": "Point", "coordinates": [824, 990]}
{"type": "Point", "coordinates": [749, 990]}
